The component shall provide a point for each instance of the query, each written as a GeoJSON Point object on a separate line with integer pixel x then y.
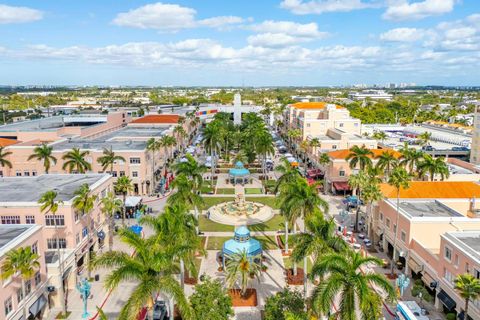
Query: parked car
{"type": "Point", "coordinates": [427, 148]}
{"type": "Point", "coordinates": [160, 311]}
{"type": "Point", "coordinates": [460, 149]}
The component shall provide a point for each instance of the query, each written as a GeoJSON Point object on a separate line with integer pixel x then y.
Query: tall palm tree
{"type": "Point", "coordinates": [167, 142]}
{"type": "Point", "coordinates": [180, 133]}
{"type": "Point", "coordinates": [239, 268]}
{"type": "Point", "coordinates": [4, 162]}
{"type": "Point", "coordinates": [315, 143]}
{"type": "Point", "coordinates": [152, 146]}
{"type": "Point", "coordinates": [293, 134]}
{"type": "Point", "coordinates": [399, 179]}
{"type": "Point", "coordinates": [110, 205]}
{"type": "Point", "coordinates": [360, 156]}
{"type": "Point", "coordinates": [152, 268]}
{"type": "Point", "coordinates": [386, 161]}
{"type": "Point", "coordinates": [379, 135]}
{"type": "Point", "coordinates": [358, 182]}
{"type": "Point", "coordinates": [49, 205]}
{"type": "Point", "coordinates": [324, 161]}
{"type": "Point", "coordinates": [410, 157]}
{"type": "Point", "coordinates": [175, 230]}
{"type": "Point", "coordinates": [264, 147]}
{"type": "Point", "coordinates": [192, 169]}
{"type": "Point", "coordinates": [123, 186]}
{"type": "Point", "coordinates": [469, 289]}
{"type": "Point", "coordinates": [44, 153]}
{"type": "Point", "coordinates": [186, 193]}
{"type": "Point", "coordinates": [212, 143]}
{"type": "Point", "coordinates": [302, 200]}
{"type": "Point", "coordinates": [108, 159]}
{"type": "Point", "coordinates": [343, 276]}
{"type": "Point", "coordinates": [433, 166]}
{"type": "Point", "coordinates": [288, 174]}
{"type": "Point", "coordinates": [75, 161]}
{"type": "Point", "coordinates": [84, 202]}
{"type": "Point", "coordinates": [20, 262]}
{"type": "Point", "coordinates": [371, 194]}
{"type": "Point", "coordinates": [424, 138]}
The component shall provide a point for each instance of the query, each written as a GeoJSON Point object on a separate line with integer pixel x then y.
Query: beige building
{"type": "Point", "coordinates": [475, 149]}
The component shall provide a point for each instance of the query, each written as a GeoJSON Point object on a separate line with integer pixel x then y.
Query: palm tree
{"type": "Point", "coordinates": [152, 146]}
{"type": "Point", "coordinates": [358, 182]}
{"type": "Point", "coordinates": [371, 194]}
{"type": "Point", "coordinates": [379, 135]}
{"type": "Point", "coordinates": [192, 170]}
{"type": "Point", "coordinates": [75, 161]}
{"type": "Point", "coordinates": [180, 133]}
{"type": "Point", "coordinates": [469, 289]}
{"type": "Point", "coordinates": [186, 193]}
{"type": "Point", "coordinates": [212, 142]}
{"type": "Point", "coordinates": [110, 205]}
{"type": "Point", "coordinates": [302, 200]}
{"type": "Point", "coordinates": [315, 143]}
{"type": "Point", "coordinates": [20, 262]}
{"type": "Point", "coordinates": [175, 230]}
{"type": "Point", "coordinates": [49, 205]}
{"type": "Point", "coordinates": [410, 157]}
{"type": "Point", "coordinates": [424, 138]}
{"type": "Point", "coordinates": [399, 179]}
{"type": "Point", "coordinates": [360, 156]}
{"type": "Point", "coordinates": [240, 267]}
{"type": "Point", "coordinates": [264, 147]}
{"type": "Point", "coordinates": [288, 174]}
{"type": "Point", "coordinates": [123, 186]}
{"type": "Point", "coordinates": [324, 161]}
{"type": "Point", "coordinates": [84, 202]}
{"type": "Point", "coordinates": [386, 161]}
{"type": "Point", "coordinates": [167, 142]}
{"type": "Point", "coordinates": [3, 158]}
{"type": "Point", "coordinates": [433, 166]}
{"type": "Point", "coordinates": [108, 159]}
{"type": "Point", "coordinates": [343, 276]}
{"type": "Point", "coordinates": [43, 153]}
{"type": "Point", "coordinates": [151, 267]}
{"type": "Point", "coordinates": [293, 134]}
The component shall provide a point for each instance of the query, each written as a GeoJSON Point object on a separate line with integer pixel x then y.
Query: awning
{"type": "Point", "coordinates": [37, 306]}
{"type": "Point", "coordinates": [341, 186]}
{"type": "Point", "coordinates": [427, 279]}
{"type": "Point", "coordinates": [132, 201]}
{"type": "Point", "coordinates": [414, 266]}
{"type": "Point", "coordinates": [66, 273]}
{"type": "Point", "coordinates": [448, 302]}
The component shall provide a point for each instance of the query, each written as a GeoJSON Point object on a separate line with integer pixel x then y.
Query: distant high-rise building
{"type": "Point", "coordinates": [237, 104]}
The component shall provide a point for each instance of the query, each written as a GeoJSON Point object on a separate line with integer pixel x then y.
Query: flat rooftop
{"type": "Point", "coordinates": [128, 138]}
{"type": "Point", "coordinates": [470, 239]}
{"type": "Point", "coordinates": [428, 209]}
{"type": "Point", "coordinates": [51, 124]}
{"type": "Point", "coordinates": [8, 233]}
{"type": "Point", "coordinates": [30, 189]}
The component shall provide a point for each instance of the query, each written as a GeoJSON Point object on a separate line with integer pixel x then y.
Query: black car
{"type": "Point", "coordinates": [427, 148]}
{"type": "Point", "coordinates": [160, 311]}
{"type": "Point", "coordinates": [460, 149]}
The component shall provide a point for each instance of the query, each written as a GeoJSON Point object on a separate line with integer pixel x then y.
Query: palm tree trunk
{"type": "Point", "coordinates": [110, 232]}
{"type": "Point", "coordinates": [24, 300]}
{"type": "Point", "coordinates": [358, 210]}
{"type": "Point", "coordinates": [124, 208]}
{"type": "Point", "coordinates": [89, 238]}
{"type": "Point", "coordinates": [294, 233]}
{"type": "Point", "coordinates": [211, 168]}
{"type": "Point", "coordinates": [304, 266]}
{"type": "Point", "coordinates": [286, 235]}
{"type": "Point", "coordinates": [395, 233]}
{"type": "Point", "coordinates": [195, 210]}
{"type": "Point", "coordinates": [152, 183]}
{"type": "Point", "coordinates": [182, 274]}
{"type": "Point", "coordinates": [60, 269]}
{"type": "Point", "coordinates": [172, 307]}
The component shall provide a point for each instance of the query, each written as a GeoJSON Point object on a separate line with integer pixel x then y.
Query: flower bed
{"type": "Point", "coordinates": [294, 280]}
{"type": "Point", "coordinates": [247, 300]}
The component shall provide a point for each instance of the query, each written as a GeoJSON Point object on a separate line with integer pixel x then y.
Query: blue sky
{"type": "Point", "coordinates": [251, 42]}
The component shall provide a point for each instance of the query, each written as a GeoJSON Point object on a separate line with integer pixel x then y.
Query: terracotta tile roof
{"type": "Point", "coordinates": [312, 105]}
{"type": "Point", "coordinates": [343, 153]}
{"type": "Point", "coordinates": [434, 190]}
{"type": "Point", "coordinates": [158, 118]}
{"type": "Point", "coordinates": [7, 142]}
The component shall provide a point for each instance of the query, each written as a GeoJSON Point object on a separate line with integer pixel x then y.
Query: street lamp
{"type": "Point", "coordinates": [84, 288]}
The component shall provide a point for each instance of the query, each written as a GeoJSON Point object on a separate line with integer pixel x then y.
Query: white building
{"type": "Point", "coordinates": [371, 94]}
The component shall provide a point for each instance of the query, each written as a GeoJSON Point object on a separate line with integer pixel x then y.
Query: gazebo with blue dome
{"type": "Point", "coordinates": [239, 173]}
{"type": "Point", "coordinates": [241, 242]}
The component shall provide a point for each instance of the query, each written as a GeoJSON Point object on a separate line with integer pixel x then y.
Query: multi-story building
{"type": "Point", "coordinates": [475, 148]}
{"type": "Point", "coordinates": [370, 94]}
{"type": "Point", "coordinates": [67, 229]}
{"type": "Point", "coordinates": [12, 298]}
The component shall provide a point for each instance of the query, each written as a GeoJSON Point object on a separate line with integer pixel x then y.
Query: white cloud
{"type": "Point", "coordinates": [169, 17]}
{"type": "Point", "coordinates": [403, 35]}
{"type": "Point", "coordinates": [322, 6]}
{"type": "Point", "coordinates": [272, 40]}
{"type": "Point", "coordinates": [304, 30]}
{"type": "Point", "coordinates": [407, 10]}
{"type": "Point", "coordinates": [10, 14]}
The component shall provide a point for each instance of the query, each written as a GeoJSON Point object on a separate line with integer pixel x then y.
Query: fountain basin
{"type": "Point", "coordinates": [237, 213]}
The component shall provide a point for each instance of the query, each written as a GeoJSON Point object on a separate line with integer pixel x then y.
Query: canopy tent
{"type": "Point", "coordinates": [341, 186]}
{"type": "Point", "coordinates": [132, 201]}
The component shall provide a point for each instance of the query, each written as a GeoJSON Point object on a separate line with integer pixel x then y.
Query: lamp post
{"type": "Point", "coordinates": [402, 283]}
{"type": "Point", "coordinates": [84, 288]}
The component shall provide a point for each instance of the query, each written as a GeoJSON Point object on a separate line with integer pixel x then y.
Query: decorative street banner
{"type": "Point", "coordinates": [204, 113]}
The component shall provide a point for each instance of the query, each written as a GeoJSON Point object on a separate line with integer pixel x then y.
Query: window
{"type": "Point", "coordinates": [28, 287]}
{"type": "Point", "coordinates": [403, 236]}
{"type": "Point", "coordinates": [26, 173]}
{"type": "Point", "coordinates": [334, 147]}
{"type": "Point", "coordinates": [1, 173]}
{"type": "Point", "coordinates": [467, 267]}
{"type": "Point", "coordinates": [447, 275]}
{"type": "Point", "coordinates": [114, 174]}
{"type": "Point", "coordinates": [52, 220]}
{"type": "Point", "coordinates": [381, 216]}
{"type": "Point", "coordinates": [35, 248]}
{"type": "Point", "coordinates": [356, 124]}
{"type": "Point", "coordinates": [388, 223]}
{"type": "Point", "coordinates": [10, 219]}
{"type": "Point", "coordinates": [34, 173]}
{"type": "Point", "coordinates": [84, 232]}
{"type": "Point", "coordinates": [134, 160]}
{"type": "Point", "coordinates": [38, 278]}
{"type": "Point", "coordinates": [395, 228]}
{"type": "Point", "coordinates": [476, 273]}
{"type": "Point", "coordinates": [76, 216]}
{"type": "Point", "coordinates": [18, 173]}
{"type": "Point", "coordinates": [308, 125]}
{"type": "Point", "coordinates": [341, 173]}
{"type": "Point", "coordinates": [19, 295]}
{"type": "Point", "coordinates": [52, 243]}
{"type": "Point", "coordinates": [8, 306]}
{"type": "Point", "coordinates": [122, 173]}
{"type": "Point", "coordinates": [77, 238]}
{"type": "Point", "coordinates": [448, 253]}
{"type": "Point", "coordinates": [135, 174]}
{"type": "Point", "coordinates": [341, 124]}
{"type": "Point", "coordinates": [30, 219]}
{"type": "Point", "coordinates": [455, 261]}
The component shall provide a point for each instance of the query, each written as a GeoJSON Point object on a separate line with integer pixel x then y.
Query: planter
{"type": "Point", "coordinates": [249, 299]}
{"type": "Point", "coordinates": [294, 280]}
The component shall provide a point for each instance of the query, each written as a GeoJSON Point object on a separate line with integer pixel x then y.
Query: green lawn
{"type": "Point", "coordinates": [225, 191]}
{"type": "Point", "coordinates": [269, 201]}
{"type": "Point", "coordinates": [288, 264]}
{"type": "Point", "coordinates": [290, 240]}
{"type": "Point", "coordinates": [274, 224]}
{"type": "Point", "coordinates": [216, 243]}
{"type": "Point", "coordinates": [268, 242]}
{"type": "Point", "coordinates": [253, 191]}
{"type": "Point", "coordinates": [208, 225]}
{"type": "Point", "coordinates": [211, 201]}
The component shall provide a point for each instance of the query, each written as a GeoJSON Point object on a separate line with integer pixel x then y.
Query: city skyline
{"type": "Point", "coordinates": [209, 43]}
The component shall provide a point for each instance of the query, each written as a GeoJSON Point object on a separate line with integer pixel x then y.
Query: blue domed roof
{"type": "Point", "coordinates": [239, 164]}
{"type": "Point", "coordinates": [252, 247]}
{"type": "Point", "coordinates": [242, 232]}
